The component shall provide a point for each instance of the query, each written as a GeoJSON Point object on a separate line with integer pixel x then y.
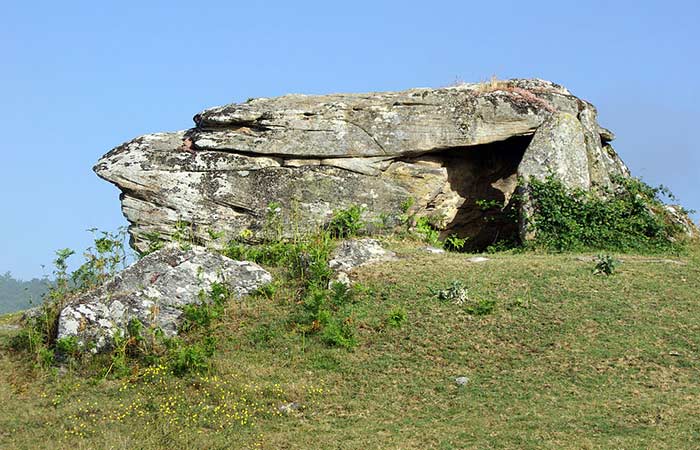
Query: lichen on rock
{"type": "Point", "coordinates": [446, 148]}
{"type": "Point", "coordinates": [154, 290]}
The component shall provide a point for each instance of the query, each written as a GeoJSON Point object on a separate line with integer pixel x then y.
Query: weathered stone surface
{"type": "Point", "coordinates": [477, 259]}
{"type": "Point", "coordinates": [446, 148]}
{"type": "Point", "coordinates": [559, 148]}
{"type": "Point", "coordinates": [353, 253]}
{"type": "Point", "coordinates": [461, 381]}
{"type": "Point", "coordinates": [154, 290]}
{"type": "Point", "coordinates": [681, 219]}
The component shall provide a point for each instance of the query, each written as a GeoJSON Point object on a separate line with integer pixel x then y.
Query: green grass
{"type": "Point", "coordinates": [567, 359]}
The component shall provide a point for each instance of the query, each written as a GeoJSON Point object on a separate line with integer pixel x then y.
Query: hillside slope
{"type": "Point", "coordinates": [567, 359]}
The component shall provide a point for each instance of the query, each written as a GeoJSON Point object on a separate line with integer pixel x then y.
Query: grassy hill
{"type": "Point", "coordinates": [566, 359]}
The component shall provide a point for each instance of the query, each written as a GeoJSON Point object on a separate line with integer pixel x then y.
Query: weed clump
{"type": "Point", "coordinates": [325, 309]}
{"type": "Point", "coordinates": [605, 265]}
{"type": "Point", "coordinates": [457, 294]}
{"type": "Point", "coordinates": [346, 222]}
{"type": "Point", "coordinates": [396, 317]}
{"type": "Point", "coordinates": [103, 260]}
{"type": "Point", "coordinates": [627, 217]}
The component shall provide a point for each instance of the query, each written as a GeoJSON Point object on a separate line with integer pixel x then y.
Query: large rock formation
{"type": "Point", "coordinates": [446, 148]}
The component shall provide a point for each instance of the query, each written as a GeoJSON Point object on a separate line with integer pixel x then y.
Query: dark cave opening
{"type": "Point", "coordinates": [485, 179]}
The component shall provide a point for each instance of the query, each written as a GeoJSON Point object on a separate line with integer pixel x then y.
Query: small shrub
{"type": "Point", "coordinates": [481, 307]}
{"type": "Point", "coordinates": [426, 229]}
{"type": "Point", "coordinates": [407, 204]}
{"type": "Point", "coordinates": [68, 346]}
{"type": "Point", "coordinates": [103, 260]}
{"type": "Point", "coordinates": [488, 205]}
{"type": "Point", "coordinates": [193, 358]}
{"type": "Point", "coordinates": [454, 243]}
{"type": "Point", "coordinates": [119, 366]}
{"type": "Point", "coordinates": [154, 241]}
{"type": "Point", "coordinates": [406, 218]}
{"type": "Point", "coordinates": [339, 333]}
{"type": "Point", "coordinates": [200, 316]}
{"type": "Point", "coordinates": [396, 317]}
{"type": "Point", "coordinates": [262, 334]}
{"type": "Point", "coordinates": [457, 294]}
{"type": "Point", "coordinates": [184, 235]}
{"type": "Point", "coordinates": [605, 265]}
{"type": "Point", "coordinates": [267, 291]}
{"type": "Point", "coordinates": [504, 245]}
{"type": "Point", "coordinates": [629, 216]}
{"type": "Point", "coordinates": [328, 311]}
{"type": "Point", "coordinates": [215, 235]}
{"type": "Point", "coordinates": [135, 329]}
{"type": "Point", "coordinates": [346, 222]}
{"type": "Point", "coordinates": [383, 222]}
{"type": "Point", "coordinates": [273, 228]}
{"type": "Point", "coordinates": [46, 357]}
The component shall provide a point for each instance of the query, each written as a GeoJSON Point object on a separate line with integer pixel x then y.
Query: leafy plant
{"type": "Point", "coordinates": [487, 205]}
{"type": "Point", "coordinates": [427, 231]}
{"type": "Point", "coordinates": [629, 216]}
{"type": "Point", "coordinates": [605, 265]}
{"type": "Point", "coordinates": [457, 294]}
{"type": "Point", "coordinates": [192, 358]}
{"type": "Point", "coordinates": [406, 218]}
{"type": "Point", "coordinates": [481, 307]}
{"type": "Point", "coordinates": [346, 222]}
{"type": "Point", "coordinates": [266, 290]}
{"type": "Point", "coordinates": [273, 226]}
{"type": "Point", "coordinates": [396, 317]}
{"type": "Point", "coordinates": [103, 260]}
{"type": "Point", "coordinates": [184, 234]}
{"type": "Point", "coordinates": [155, 242]}
{"type": "Point", "coordinates": [68, 346]}
{"type": "Point", "coordinates": [339, 333]}
{"type": "Point", "coordinates": [329, 311]}
{"type": "Point", "coordinates": [454, 243]}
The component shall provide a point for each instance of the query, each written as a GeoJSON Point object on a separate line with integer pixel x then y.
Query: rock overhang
{"type": "Point", "coordinates": [320, 153]}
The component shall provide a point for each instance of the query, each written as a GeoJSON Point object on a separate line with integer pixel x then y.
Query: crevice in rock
{"type": "Point", "coordinates": [371, 136]}
{"type": "Point", "coordinates": [478, 200]}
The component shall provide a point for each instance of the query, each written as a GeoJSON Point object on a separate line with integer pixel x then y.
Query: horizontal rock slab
{"type": "Point", "coordinates": [446, 151]}
{"type": "Point", "coordinates": [154, 291]}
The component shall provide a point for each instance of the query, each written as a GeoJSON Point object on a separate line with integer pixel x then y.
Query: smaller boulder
{"type": "Point", "coordinates": [154, 291]}
{"type": "Point", "coordinates": [680, 218]}
{"type": "Point", "coordinates": [477, 259]}
{"type": "Point", "coordinates": [289, 408]}
{"type": "Point", "coordinates": [461, 381]}
{"type": "Point", "coordinates": [354, 253]}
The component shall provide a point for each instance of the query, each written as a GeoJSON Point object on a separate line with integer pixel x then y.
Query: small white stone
{"type": "Point", "coordinates": [477, 259]}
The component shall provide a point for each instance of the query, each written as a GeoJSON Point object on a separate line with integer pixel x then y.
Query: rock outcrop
{"type": "Point", "coordinates": [444, 148]}
{"type": "Point", "coordinates": [353, 253]}
{"type": "Point", "coordinates": [154, 291]}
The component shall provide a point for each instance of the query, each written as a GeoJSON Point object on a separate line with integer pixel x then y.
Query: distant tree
{"type": "Point", "coordinates": [16, 295]}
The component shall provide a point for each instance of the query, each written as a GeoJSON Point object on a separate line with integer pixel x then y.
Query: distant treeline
{"type": "Point", "coordinates": [16, 295]}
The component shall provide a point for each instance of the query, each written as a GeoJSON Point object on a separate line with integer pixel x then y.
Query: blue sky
{"type": "Point", "coordinates": [79, 78]}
